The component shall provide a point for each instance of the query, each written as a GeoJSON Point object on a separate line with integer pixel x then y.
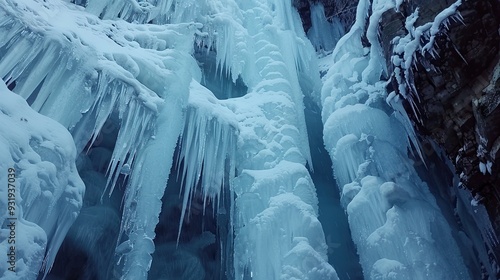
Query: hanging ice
{"type": "Point", "coordinates": [90, 69]}
{"type": "Point", "coordinates": [214, 90]}
{"type": "Point", "coordinates": [109, 70]}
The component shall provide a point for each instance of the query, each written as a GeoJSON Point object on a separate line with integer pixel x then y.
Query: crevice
{"type": "Point", "coordinates": [217, 78]}
{"type": "Point", "coordinates": [342, 254]}
{"type": "Point", "coordinates": [87, 252]}
{"type": "Point", "coordinates": [204, 245]}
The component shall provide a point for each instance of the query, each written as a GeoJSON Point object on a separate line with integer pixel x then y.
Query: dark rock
{"type": "Point", "coordinates": [459, 110]}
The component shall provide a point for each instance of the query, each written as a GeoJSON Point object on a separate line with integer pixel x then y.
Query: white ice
{"type": "Point", "coordinates": [396, 224]}
{"type": "Point", "coordinates": [48, 191]}
{"type": "Point", "coordinates": [91, 68]}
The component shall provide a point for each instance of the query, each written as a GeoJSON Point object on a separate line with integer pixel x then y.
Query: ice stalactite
{"type": "Point", "coordinates": [142, 202]}
{"type": "Point", "coordinates": [87, 70]}
{"type": "Point", "coordinates": [207, 148]}
{"type": "Point", "coordinates": [46, 188]}
{"type": "Point", "coordinates": [323, 34]}
{"type": "Point", "coordinates": [369, 144]}
{"type": "Point", "coordinates": [272, 183]}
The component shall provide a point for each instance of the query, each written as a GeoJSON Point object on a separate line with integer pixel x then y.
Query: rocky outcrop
{"type": "Point", "coordinates": [455, 86]}
{"type": "Point", "coordinates": [458, 91]}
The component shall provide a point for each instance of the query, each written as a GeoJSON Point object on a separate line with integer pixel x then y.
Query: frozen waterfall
{"type": "Point", "coordinates": [197, 139]}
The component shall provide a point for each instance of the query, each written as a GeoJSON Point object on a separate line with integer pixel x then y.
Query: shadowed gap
{"type": "Point", "coordinates": [342, 254]}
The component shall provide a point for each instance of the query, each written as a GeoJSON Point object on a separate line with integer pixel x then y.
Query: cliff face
{"type": "Point", "coordinates": [454, 87]}
{"type": "Point", "coordinates": [458, 91]}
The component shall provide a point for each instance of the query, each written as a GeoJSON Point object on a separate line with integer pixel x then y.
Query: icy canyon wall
{"type": "Point", "coordinates": [394, 41]}
{"type": "Point", "coordinates": [457, 90]}
{"type": "Point", "coordinates": [368, 140]}
{"type": "Point", "coordinates": [207, 98]}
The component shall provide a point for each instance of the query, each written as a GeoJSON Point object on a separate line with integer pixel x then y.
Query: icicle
{"type": "Point", "coordinates": [208, 139]}
{"type": "Point", "coordinates": [99, 76]}
{"type": "Point", "coordinates": [143, 195]}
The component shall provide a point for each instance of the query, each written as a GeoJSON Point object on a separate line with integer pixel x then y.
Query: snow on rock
{"type": "Point", "coordinates": [408, 47]}
{"type": "Point", "coordinates": [399, 231]}
{"type": "Point", "coordinates": [48, 191]}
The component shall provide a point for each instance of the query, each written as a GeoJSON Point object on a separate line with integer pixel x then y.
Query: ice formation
{"type": "Point", "coordinates": [48, 193]}
{"type": "Point", "coordinates": [396, 223]}
{"type": "Point", "coordinates": [212, 91]}
{"type": "Point", "coordinates": [144, 79]}
{"type": "Point", "coordinates": [324, 34]}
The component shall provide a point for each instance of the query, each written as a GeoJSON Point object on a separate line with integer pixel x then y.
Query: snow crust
{"type": "Point", "coordinates": [48, 189]}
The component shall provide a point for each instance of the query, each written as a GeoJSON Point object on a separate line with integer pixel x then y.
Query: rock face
{"type": "Point", "coordinates": [457, 88]}
{"type": "Point", "coordinates": [459, 92]}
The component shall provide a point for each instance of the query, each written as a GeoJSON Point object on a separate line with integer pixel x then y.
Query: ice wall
{"type": "Point", "coordinates": [90, 68]}
{"type": "Point", "coordinates": [396, 223]}
{"type": "Point", "coordinates": [277, 234]}
{"type": "Point", "coordinates": [44, 192]}
{"type": "Point", "coordinates": [324, 34]}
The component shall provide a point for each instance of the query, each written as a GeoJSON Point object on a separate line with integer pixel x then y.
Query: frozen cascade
{"type": "Point", "coordinates": [368, 142]}
{"type": "Point", "coordinates": [272, 184]}
{"type": "Point", "coordinates": [323, 34]}
{"type": "Point", "coordinates": [143, 78]}
{"type": "Point", "coordinates": [42, 154]}
{"type": "Point", "coordinates": [138, 65]}
{"type": "Point", "coordinates": [208, 145]}
{"type": "Point", "coordinates": [108, 67]}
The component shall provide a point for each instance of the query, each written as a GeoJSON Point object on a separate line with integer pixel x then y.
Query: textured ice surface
{"type": "Point", "coordinates": [48, 190]}
{"type": "Point", "coordinates": [91, 68]}
{"type": "Point", "coordinates": [396, 224]}
{"type": "Point", "coordinates": [324, 34]}
{"type": "Point", "coordinates": [134, 64]}
{"type": "Point", "coordinates": [139, 75]}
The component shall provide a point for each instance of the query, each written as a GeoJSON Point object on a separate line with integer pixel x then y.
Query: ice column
{"type": "Point", "coordinates": [396, 224]}
{"type": "Point", "coordinates": [277, 231]}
